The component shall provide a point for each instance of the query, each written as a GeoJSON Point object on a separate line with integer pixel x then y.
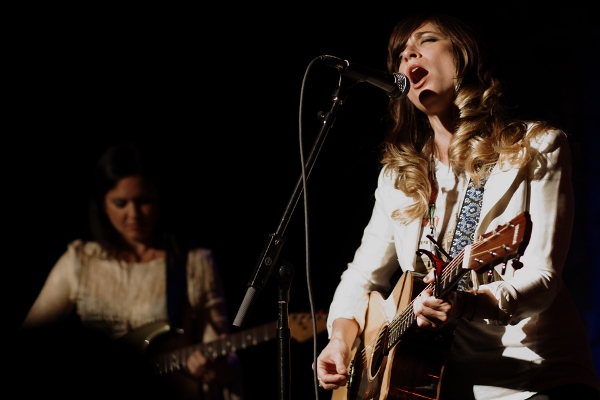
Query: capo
{"type": "Point", "coordinates": [437, 270]}
{"type": "Point", "coordinates": [439, 263]}
{"type": "Point", "coordinates": [440, 249]}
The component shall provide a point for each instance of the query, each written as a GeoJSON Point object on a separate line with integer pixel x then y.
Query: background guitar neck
{"type": "Point", "coordinates": [301, 329]}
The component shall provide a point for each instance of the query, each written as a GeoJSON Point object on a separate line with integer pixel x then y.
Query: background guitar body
{"type": "Point", "coordinates": [167, 349]}
{"type": "Point", "coordinates": [158, 338]}
{"type": "Point", "coordinates": [412, 369]}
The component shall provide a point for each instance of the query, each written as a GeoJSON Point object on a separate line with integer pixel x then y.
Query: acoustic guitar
{"type": "Point", "coordinates": [394, 360]}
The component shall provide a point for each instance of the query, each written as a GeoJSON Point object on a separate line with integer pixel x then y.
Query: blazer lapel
{"type": "Point", "coordinates": [496, 188]}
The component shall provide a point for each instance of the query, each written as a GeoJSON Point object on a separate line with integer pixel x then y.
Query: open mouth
{"type": "Point", "coordinates": [417, 74]}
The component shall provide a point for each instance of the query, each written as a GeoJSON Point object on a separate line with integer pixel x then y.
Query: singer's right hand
{"type": "Point", "coordinates": [332, 370]}
{"type": "Point", "coordinates": [333, 362]}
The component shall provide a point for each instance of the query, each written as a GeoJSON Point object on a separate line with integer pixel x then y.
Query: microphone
{"type": "Point", "coordinates": [395, 85]}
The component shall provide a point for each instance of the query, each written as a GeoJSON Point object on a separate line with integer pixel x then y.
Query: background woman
{"type": "Point", "coordinates": [135, 274]}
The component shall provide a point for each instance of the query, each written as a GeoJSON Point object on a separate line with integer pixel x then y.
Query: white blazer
{"type": "Point", "coordinates": [538, 325]}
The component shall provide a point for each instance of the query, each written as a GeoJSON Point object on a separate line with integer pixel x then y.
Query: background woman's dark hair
{"type": "Point", "coordinates": [117, 162]}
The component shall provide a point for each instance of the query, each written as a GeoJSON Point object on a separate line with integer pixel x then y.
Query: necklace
{"type": "Point", "coordinates": [434, 193]}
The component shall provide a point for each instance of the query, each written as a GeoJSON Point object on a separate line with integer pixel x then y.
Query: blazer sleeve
{"type": "Point", "coordinates": [549, 199]}
{"type": "Point", "coordinates": [373, 264]}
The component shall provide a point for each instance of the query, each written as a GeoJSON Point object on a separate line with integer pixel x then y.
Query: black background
{"type": "Point", "coordinates": [216, 90]}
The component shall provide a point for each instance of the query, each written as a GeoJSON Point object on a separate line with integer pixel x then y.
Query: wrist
{"type": "Point", "coordinates": [344, 330]}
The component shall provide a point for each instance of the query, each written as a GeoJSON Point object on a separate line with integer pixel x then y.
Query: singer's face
{"type": "Point", "coordinates": [132, 208]}
{"type": "Point", "coordinates": [428, 62]}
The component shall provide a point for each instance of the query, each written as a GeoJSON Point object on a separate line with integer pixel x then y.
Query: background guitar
{"type": "Point", "coordinates": [152, 339]}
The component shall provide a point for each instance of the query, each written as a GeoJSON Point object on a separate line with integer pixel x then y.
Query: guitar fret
{"type": "Point", "coordinates": [230, 345]}
{"type": "Point", "coordinates": [180, 362]}
{"type": "Point", "coordinates": [210, 350]}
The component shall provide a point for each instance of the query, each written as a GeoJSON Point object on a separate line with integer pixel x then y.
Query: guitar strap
{"type": "Point", "coordinates": [468, 218]}
{"type": "Point", "coordinates": [176, 284]}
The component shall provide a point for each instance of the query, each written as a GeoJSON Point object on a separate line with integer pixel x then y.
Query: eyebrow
{"type": "Point", "coordinates": [423, 33]}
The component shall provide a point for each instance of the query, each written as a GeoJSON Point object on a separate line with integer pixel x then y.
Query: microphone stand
{"type": "Point", "coordinates": [269, 256]}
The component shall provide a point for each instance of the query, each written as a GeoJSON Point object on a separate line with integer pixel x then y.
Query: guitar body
{"type": "Point", "coordinates": [412, 369]}
{"type": "Point", "coordinates": [416, 364]}
{"type": "Point", "coordinates": [156, 339]}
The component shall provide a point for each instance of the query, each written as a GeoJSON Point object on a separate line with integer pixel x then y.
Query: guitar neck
{"type": "Point", "coordinates": [239, 340]}
{"type": "Point", "coordinates": [174, 360]}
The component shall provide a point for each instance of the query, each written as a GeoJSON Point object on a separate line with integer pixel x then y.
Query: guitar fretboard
{"type": "Point", "coordinates": [175, 360]}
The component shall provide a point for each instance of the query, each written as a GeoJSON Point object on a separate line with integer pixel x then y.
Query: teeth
{"type": "Point", "coordinates": [414, 69]}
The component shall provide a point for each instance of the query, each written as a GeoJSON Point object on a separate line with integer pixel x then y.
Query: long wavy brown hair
{"type": "Point", "coordinates": [483, 132]}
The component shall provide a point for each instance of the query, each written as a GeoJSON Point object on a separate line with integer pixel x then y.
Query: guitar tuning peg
{"type": "Point", "coordinates": [516, 264]}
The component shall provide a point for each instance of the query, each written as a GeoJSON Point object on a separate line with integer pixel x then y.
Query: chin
{"type": "Point", "coordinates": [135, 237]}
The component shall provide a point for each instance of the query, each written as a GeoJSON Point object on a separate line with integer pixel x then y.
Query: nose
{"type": "Point", "coordinates": [132, 209]}
{"type": "Point", "coordinates": [409, 52]}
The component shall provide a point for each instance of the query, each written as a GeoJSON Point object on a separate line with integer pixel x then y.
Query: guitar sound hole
{"type": "Point", "coordinates": [377, 359]}
{"type": "Point", "coordinates": [378, 352]}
